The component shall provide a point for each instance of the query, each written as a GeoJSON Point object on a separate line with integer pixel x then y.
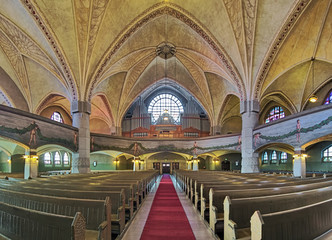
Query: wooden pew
{"type": "Point", "coordinates": [256, 190]}
{"type": "Point", "coordinates": [22, 223]}
{"type": "Point", "coordinates": [304, 223]}
{"type": "Point", "coordinates": [128, 190]}
{"type": "Point", "coordinates": [95, 212]}
{"type": "Point", "coordinates": [237, 212]}
{"type": "Point", "coordinates": [117, 198]}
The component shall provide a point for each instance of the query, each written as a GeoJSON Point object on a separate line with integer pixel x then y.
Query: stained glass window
{"type": "Point", "coordinates": [65, 159]}
{"type": "Point", "coordinates": [327, 154]}
{"type": "Point", "coordinates": [56, 116]}
{"type": "Point", "coordinates": [265, 158]}
{"type": "Point", "coordinates": [274, 157]}
{"type": "Point", "coordinates": [283, 157]}
{"type": "Point", "coordinates": [57, 159]}
{"type": "Point", "coordinates": [47, 159]}
{"type": "Point", "coordinates": [328, 99]}
{"type": "Point", "coordinates": [165, 103]}
{"type": "Point", "coordinates": [275, 113]}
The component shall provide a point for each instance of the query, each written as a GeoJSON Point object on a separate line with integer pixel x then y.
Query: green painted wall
{"type": "Point", "coordinates": [233, 158]}
{"type": "Point", "coordinates": [4, 164]}
{"type": "Point", "coordinates": [18, 163]}
{"type": "Point", "coordinates": [314, 159]}
{"type": "Point", "coordinates": [102, 162]}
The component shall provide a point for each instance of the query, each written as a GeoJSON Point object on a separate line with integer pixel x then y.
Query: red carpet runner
{"type": "Point", "coordinates": [167, 219]}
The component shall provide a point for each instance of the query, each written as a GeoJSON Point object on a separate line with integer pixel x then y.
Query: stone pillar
{"type": "Point", "coordinates": [299, 164]}
{"type": "Point", "coordinates": [81, 117]}
{"type": "Point", "coordinates": [142, 165]}
{"type": "Point", "coordinates": [10, 164]}
{"type": "Point", "coordinates": [116, 131]}
{"type": "Point", "coordinates": [249, 111]}
{"type": "Point", "coordinates": [31, 164]}
{"type": "Point", "coordinates": [195, 164]}
{"type": "Point", "coordinates": [136, 164]}
{"type": "Point", "coordinates": [189, 164]}
{"type": "Point", "coordinates": [215, 130]}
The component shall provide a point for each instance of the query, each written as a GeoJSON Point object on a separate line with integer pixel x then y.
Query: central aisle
{"type": "Point", "coordinates": [167, 219]}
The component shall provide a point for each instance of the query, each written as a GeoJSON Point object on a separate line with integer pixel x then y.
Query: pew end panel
{"type": "Point", "coordinates": [78, 227]}
{"type": "Point", "coordinates": [256, 223]}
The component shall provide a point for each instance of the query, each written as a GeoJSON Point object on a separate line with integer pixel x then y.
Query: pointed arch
{"type": "Point", "coordinates": [182, 15]}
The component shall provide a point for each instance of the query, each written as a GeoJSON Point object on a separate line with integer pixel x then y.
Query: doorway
{"type": "Point", "coordinates": [166, 168]}
{"type": "Point", "coordinates": [225, 165]}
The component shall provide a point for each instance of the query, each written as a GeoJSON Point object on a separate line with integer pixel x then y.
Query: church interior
{"type": "Point", "coordinates": [219, 110]}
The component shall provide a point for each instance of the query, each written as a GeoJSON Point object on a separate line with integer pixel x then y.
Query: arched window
{"type": "Point", "coordinates": [165, 103]}
{"type": "Point", "coordinates": [47, 159]}
{"type": "Point", "coordinates": [56, 116]}
{"type": "Point", "coordinates": [275, 113]}
{"type": "Point", "coordinates": [57, 159]}
{"type": "Point", "coordinates": [328, 99]}
{"type": "Point", "coordinates": [65, 159]}
{"type": "Point", "coordinates": [327, 154]}
{"type": "Point", "coordinates": [283, 157]}
{"type": "Point", "coordinates": [265, 158]}
{"type": "Point", "coordinates": [274, 157]}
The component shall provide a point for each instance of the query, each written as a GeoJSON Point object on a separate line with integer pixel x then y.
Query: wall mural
{"type": "Point", "coordinates": [33, 137]}
{"type": "Point", "coordinates": [293, 136]}
{"type": "Point", "coordinates": [137, 148]}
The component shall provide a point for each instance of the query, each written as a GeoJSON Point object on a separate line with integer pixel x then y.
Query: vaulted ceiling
{"type": "Point", "coordinates": [104, 52]}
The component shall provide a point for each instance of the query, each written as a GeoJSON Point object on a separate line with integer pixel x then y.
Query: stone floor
{"type": "Point", "coordinates": [135, 229]}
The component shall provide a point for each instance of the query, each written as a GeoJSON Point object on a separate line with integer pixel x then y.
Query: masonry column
{"type": "Point", "coordinates": [31, 164]}
{"type": "Point", "coordinates": [215, 130]}
{"type": "Point", "coordinates": [116, 131]}
{"type": "Point", "coordinates": [136, 164]}
{"type": "Point", "coordinates": [249, 111]}
{"type": "Point", "coordinates": [195, 164]}
{"type": "Point", "coordinates": [189, 164]}
{"type": "Point", "coordinates": [299, 164]}
{"type": "Point", "coordinates": [80, 112]}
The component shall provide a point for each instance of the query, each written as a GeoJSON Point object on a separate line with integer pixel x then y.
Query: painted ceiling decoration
{"type": "Point", "coordinates": [110, 52]}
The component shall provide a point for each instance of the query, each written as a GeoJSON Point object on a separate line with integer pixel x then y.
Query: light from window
{"type": "Point", "coordinates": [65, 159]}
{"type": "Point", "coordinates": [274, 114]}
{"type": "Point", "coordinates": [327, 154]}
{"type": "Point", "coordinates": [57, 159]}
{"type": "Point", "coordinates": [56, 116]}
{"type": "Point", "coordinates": [328, 99]}
{"type": "Point", "coordinates": [165, 103]}
{"type": "Point", "coordinates": [283, 157]}
{"type": "Point", "coordinates": [274, 157]}
{"type": "Point", "coordinates": [47, 158]}
{"type": "Point", "coordinates": [265, 158]}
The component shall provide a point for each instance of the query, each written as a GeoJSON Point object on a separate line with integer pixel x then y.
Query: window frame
{"type": "Point", "coordinates": [63, 159]}
{"type": "Point", "coordinates": [265, 161]}
{"type": "Point", "coordinates": [53, 117]}
{"type": "Point", "coordinates": [274, 157]}
{"type": "Point", "coordinates": [328, 150]}
{"type": "Point", "coordinates": [278, 113]}
{"type": "Point", "coordinates": [55, 160]}
{"type": "Point", "coordinates": [50, 159]}
{"type": "Point", "coordinates": [328, 98]}
{"type": "Point", "coordinates": [164, 101]}
{"type": "Point", "coordinates": [283, 160]}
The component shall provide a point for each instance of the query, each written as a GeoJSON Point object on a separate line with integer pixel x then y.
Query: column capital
{"type": "Point", "coordinates": [80, 107]}
{"type": "Point", "coordinates": [249, 106]}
